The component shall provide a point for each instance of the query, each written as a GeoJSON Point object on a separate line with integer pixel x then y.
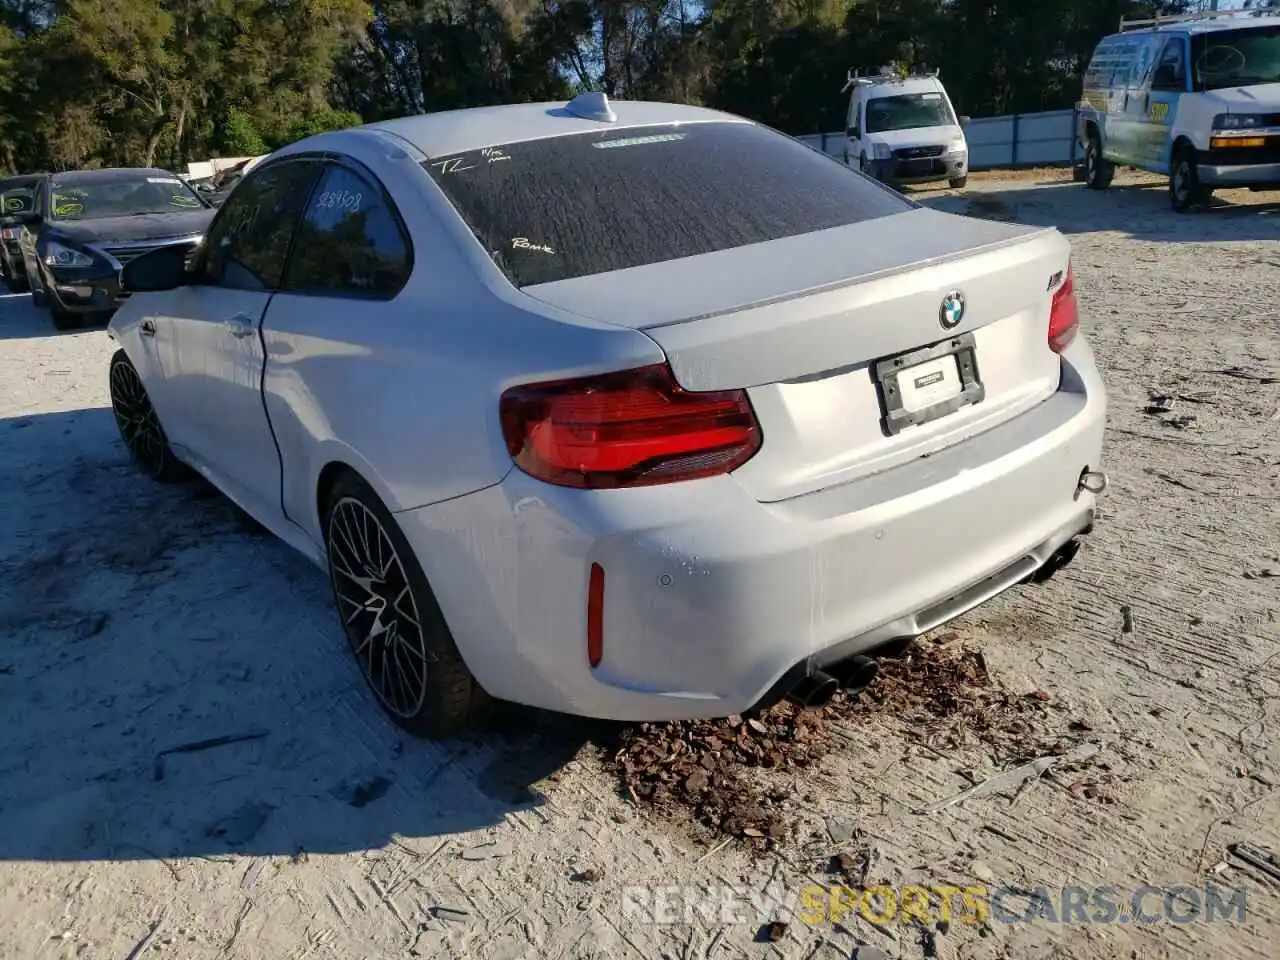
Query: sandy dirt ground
{"type": "Point", "coordinates": [137, 621]}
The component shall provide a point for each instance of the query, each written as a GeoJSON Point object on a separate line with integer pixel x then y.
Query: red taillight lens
{"type": "Point", "coordinates": [630, 429]}
{"type": "Point", "coordinates": [1064, 316]}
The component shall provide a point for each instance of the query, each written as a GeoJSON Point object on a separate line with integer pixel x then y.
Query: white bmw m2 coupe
{"type": "Point", "coordinates": [631, 410]}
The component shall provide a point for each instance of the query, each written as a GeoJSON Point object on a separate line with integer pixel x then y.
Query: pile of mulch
{"type": "Point", "coordinates": [705, 768]}
{"type": "Point", "coordinates": [698, 766]}
{"type": "Point", "coordinates": [943, 691]}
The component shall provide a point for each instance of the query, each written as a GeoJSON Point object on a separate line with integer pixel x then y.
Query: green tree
{"type": "Point", "coordinates": [240, 136]}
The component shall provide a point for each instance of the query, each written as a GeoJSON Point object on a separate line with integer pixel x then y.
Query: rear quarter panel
{"type": "Point", "coordinates": [406, 391]}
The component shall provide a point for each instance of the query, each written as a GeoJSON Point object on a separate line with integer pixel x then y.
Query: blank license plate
{"type": "Point", "coordinates": [929, 383]}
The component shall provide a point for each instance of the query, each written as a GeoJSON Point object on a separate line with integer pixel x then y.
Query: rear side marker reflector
{"type": "Point", "coordinates": [1064, 315]}
{"type": "Point", "coordinates": [595, 615]}
{"type": "Point", "coordinates": [634, 428]}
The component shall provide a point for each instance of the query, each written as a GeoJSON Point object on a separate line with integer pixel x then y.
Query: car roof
{"type": "Point", "coordinates": [21, 180]}
{"type": "Point", "coordinates": [108, 175]}
{"type": "Point", "coordinates": [1214, 25]}
{"type": "Point", "coordinates": [458, 131]}
{"type": "Point", "coordinates": [904, 87]}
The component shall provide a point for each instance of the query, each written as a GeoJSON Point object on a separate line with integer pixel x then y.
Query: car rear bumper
{"type": "Point", "coordinates": [712, 598]}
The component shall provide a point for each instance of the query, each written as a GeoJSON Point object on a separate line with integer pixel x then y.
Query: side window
{"type": "Point", "coordinates": [1144, 59]}
{"type": "Point", "coordinates": [1171, 70]}
{"type": "Point", "coordinates": [351, 242]}
{"type": "Point", "coordinates": [248, 241]}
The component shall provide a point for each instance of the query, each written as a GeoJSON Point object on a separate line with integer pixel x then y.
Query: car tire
{"type": "Point", "coordinates": [958, 183]}
{"type": "Point", "coordinates": [1185, 189]}
{"type": "Point", "coordinates": [381, 594]}
{"type": "Point", "coordinates": [139, 425]}
{"type": "Point", "coordinates": [64, 319]}
{"type": "Point", "coordinates": [1098, 170]}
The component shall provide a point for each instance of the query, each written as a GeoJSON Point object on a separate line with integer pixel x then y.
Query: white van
{"type": "Point", "coordinates": [904, 130]}
{"type": "Point", "coordinates": [1196, 98]}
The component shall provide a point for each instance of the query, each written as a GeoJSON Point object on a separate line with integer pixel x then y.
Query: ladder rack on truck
{"type": "Point", "coordinates": [885, 76]}
{"type": "Point", "coordinates": [1172, 18]}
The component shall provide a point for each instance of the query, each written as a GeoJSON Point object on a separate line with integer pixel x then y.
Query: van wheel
{"type": "Point", "coordinates": [1185, 189]}
{"type": "Point", "coordinates": [1098, 170]}
{"type": "Point", "coordinates": [958, 183]}
{"type": "Point", "coordinates": [392, 619]}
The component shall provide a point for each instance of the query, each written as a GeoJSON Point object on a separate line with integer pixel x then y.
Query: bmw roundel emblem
{"type": "Point", "coordinates": [952, 310]}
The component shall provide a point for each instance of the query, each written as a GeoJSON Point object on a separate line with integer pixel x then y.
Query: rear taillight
{"type": "Point", "coordinates": [630, 429]}
{"type": "Point", "coordinates": [1064, 317]}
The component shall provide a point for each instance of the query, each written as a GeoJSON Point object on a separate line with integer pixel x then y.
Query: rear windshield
{"type": "Point", "coordinates": [582, 204]}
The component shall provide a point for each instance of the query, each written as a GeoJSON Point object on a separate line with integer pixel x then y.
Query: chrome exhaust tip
{"type": "Point", "coordinates": [1091, 481]}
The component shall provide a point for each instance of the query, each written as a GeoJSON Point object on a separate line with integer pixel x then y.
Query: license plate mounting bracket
{"type": "Point", "coordinates": [886, 372]}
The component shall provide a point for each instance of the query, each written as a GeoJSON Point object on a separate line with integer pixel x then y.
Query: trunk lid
{"type": "Point", "coordinates": [803, 324]}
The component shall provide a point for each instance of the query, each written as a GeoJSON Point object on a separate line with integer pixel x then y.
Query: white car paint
{"type": "Point", "coordinates": [875, 152]}
{"type": "Point", "coordinates": [834, 537]}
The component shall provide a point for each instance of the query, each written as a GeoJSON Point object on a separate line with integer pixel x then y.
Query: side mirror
{"type": "Point", "coordinates": [163, 269]}
{"type": "Point", "coordinates": [964, 120]}
{"type": "Point", "coordinates": [1166, 78]}
{"type": "Point", "coordinates": [853, 133]}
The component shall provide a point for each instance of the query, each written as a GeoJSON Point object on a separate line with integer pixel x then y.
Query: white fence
{"type": "Point", "coordinates": [1019, 140]}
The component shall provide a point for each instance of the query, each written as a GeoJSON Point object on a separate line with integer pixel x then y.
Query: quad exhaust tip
{"type": "Point", "coordinates": [818, 686]}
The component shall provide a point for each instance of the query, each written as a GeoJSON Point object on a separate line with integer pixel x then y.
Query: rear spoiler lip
{"type": "Point", "coordinates": [864, 278]}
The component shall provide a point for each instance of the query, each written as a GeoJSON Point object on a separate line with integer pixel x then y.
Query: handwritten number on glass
{"type": "Point", "coordinates": [340, 200]}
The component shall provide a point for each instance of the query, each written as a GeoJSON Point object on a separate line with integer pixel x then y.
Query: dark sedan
{"type": "Point", "coordinates": [86, 224]}
{"type": "Point", "coordinates": [17, 197]}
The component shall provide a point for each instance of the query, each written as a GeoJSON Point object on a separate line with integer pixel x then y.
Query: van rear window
{"type": "Point", "coordinates": [581, 204]}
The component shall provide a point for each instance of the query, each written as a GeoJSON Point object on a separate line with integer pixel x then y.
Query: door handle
{"type": "Point", "coordinates": [240, 326]}
{"type": "Point", "coordinates": [147, 328]}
